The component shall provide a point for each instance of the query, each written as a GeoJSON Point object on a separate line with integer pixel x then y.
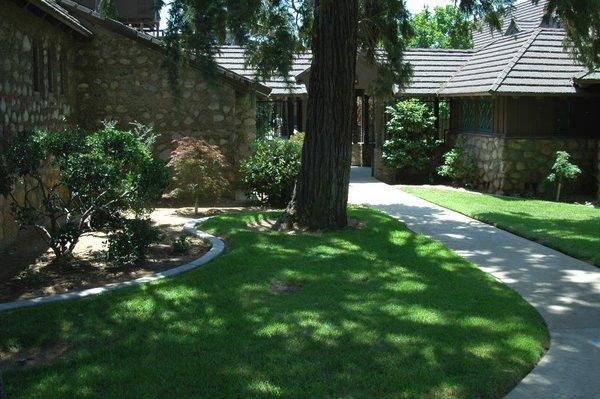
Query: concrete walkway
{"type": "Point", "coordinates": [564, 290]}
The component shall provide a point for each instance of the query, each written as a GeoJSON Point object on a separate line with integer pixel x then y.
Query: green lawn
{"type": "Point", "coordinates": [376, 312]}
{"type": "Point", "coordinates": [572, 229]}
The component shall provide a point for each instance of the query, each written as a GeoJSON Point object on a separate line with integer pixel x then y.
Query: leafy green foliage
{"type": "Point", "coordinates": [273, 33]}
{"type": "Point", "coordinates": [99, 176]}
{"type": "Point", "coordinates": [581, 20]}
{"type": "Point", "coordinates": [200, 171]}
{"type": "Point", "coordinates": [458, 166]}
{"type": "Point", "coordinates": [271, 170]}
{"type": "Point", "coordinates": [562, 171]}
{"type": "Point", "coordinates": [298, 138]}
{"type": "Point", "coordinates": [180, 245]}
{"type": "Point", "coordinates": [445, 27]}
{"type": "Point", "coordinates": [108, 9]}
{"type": "Point", "coordinates": [130, 243]}
{"type": "Point", "coordinates": [412, 142]}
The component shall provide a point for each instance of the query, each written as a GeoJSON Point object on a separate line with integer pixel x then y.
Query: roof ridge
{"type": "Point", "coordinates": [514, 61]}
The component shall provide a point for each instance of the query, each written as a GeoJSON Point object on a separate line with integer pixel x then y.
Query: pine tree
{"type": "Point", "coordinates": [273, 31]}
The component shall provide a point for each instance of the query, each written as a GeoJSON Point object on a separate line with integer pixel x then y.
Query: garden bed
{"type": "Point", "coordinates": [34, 272]}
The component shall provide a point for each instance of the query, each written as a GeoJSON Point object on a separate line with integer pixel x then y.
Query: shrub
{"type": "Point", "coordinates": [200, 171]}
{"type": "Point", "coordinates": [562, 171]}
{"type": "Point", "coordinates": [130, 244]}
{"type": "Point", "coordinates": [412, 144]}
{"type": "Point", "coordinates": [271, 170]}
{"type": "Point", "coordinates": [180, 245]}
{"type": "Point", "coordinates": [100, 177]}
{"type": "Point", "coordinates": [298, 138]}
{"type": "Point", "coordinates": [458, 166]}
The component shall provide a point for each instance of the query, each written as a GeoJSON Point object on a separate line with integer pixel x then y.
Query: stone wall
{"type": "Point", "coordinates": [22, 107]}
{"type": "Point", "coordinates": [381, 171]}
{"type": "Point", "coordinates": [357, 154]}
{"type": "Point", "coordinates": [488, 152]}
{"type": "Point", "coordinates": [516, 165]}
{"type": "Point", "coordinates": [121, 79]}
{"type": "Point", "coordinates": [528, 161]}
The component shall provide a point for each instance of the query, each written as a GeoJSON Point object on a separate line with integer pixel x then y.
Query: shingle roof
{"type": "Point", "coordinates": [155, 43]}
{"type": "Point", "coordinates": [592, 77]}
{"type": "Point", "coordinates": [233, 58]}
{"type": "Point", "coordinates": [526, 15]}
{"type": "Point", "coordinates": [431, 68]}
{"type": "Point", "coordinates": [544, 66]}
{"type": "Point", "coordinates": [484, 67]}
{"type": "Point", "coordinates": [531, 62]}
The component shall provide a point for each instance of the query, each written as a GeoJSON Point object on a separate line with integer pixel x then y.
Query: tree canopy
{"type": "Point", "coordinates": [274, 31]}
{"type": "Point", "coordinates": [445, 27]}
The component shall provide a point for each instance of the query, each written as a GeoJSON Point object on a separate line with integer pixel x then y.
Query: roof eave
{"type": "Point", "coordinates": [44, 7]}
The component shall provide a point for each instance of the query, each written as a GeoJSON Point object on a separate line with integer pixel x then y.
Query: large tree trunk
{"type": "Point", "coordinates": [321, 196]}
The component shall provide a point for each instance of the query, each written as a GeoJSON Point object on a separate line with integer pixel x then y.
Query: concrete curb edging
{"type": "Point", "coordinates": [217, 248]}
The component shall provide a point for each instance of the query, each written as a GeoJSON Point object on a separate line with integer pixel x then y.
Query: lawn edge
{"type": "Point", "coordinates": [217, 248]}
{"type": "Point", "coordinates": [512, 231]}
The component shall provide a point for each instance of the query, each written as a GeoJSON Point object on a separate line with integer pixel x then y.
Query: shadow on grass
{"type": "Point", "coordinates": [380, 312]}
{"type": "Point", "coordinates": [578, 238]}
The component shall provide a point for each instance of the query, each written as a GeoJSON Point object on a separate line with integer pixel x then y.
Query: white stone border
{"type": "Point", "coordinates": [217, 248]}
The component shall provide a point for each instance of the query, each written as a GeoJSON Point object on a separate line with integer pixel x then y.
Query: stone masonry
{"type": "Point", "coordinates": [22, 107]}
{"type": "Point", "coordinates": [120, 78]}
{"type": "Point", "coordinates": [509, 164]}
{"type": "Point", "coordinates": [110, 76]}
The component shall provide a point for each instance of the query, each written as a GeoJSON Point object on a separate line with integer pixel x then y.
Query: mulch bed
{"type": "Point", "coordinates": [89, 268]}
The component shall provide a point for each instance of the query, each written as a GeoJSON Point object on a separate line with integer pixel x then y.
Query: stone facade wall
{"type": "Point", "coordinates": [357, 154]}
{"type": "Point", "coordinates": [488, 152]}
{"type": "Point", "coordinates": [22, 107]}
{"type": "Point", "coordinates": [508, 165]}
{"type": "Point", "coordinates": [381, 171]}
{"type": "Point", "coordinates": [122, 79]}
{"type": "Point", "coordinates": [528, 161]}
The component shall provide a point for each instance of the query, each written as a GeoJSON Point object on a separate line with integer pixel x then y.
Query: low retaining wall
{"type": "Point", "coordinates": [507, 164]}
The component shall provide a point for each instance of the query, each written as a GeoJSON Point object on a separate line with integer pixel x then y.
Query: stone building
{"type": "Point", "coordinates": [61, 63]}
{"type": "Point", "coordinates": [515, 99]}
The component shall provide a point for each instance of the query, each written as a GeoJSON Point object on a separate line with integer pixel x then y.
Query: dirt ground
{"type": "Point", "coordinates": [28, 269]}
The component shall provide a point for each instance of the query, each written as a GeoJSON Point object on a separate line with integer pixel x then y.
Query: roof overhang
{"type": "Point", "coordinates": [237, 81]}
{"type": "Point", "coordinates": [57, 13]}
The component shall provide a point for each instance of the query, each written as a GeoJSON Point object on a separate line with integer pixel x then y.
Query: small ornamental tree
{"type": "Point", "coordinates": [562, 171]}
{"type": "Point", "coordinates": [200, 171]}
{"type": "Point", "coordinates": [412, 142]}
{"type": "Point", "coordinates": [99, 177]}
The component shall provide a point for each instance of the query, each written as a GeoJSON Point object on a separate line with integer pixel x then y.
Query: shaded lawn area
{"type": "Point", "coordinates": [571, 229]}
{"type": "Point", "coordinates": [375, 312]}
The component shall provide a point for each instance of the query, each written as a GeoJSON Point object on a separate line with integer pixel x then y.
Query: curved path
{"type": "Point", "coordinates": [564, 290]}
{"type": "Point", "coordinates": [217, 247]}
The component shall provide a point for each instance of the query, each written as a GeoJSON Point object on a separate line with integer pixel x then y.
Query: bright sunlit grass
{"type": "Point", "coordinates": [376, 312]}
{"type": "Point", "coordinates": [572, 229]}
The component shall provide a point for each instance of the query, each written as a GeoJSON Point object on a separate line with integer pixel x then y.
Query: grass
{"type": "Point", "coordinates": [375, 312]}
{"type": "Point", "coordinates": [571, 229]}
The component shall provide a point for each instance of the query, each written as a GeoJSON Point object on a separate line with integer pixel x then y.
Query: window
{"type": "Point", "coordinates": [485, 116]}
{"type": "Point", "coordinates": [50, 65]}
{"type": "Point", "coordinates": [37, 67]}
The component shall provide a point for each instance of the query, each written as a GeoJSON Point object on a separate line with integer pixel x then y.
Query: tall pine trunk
{"type": "Point", "coordinates": [321, 196]}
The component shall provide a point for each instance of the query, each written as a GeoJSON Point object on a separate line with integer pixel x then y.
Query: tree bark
{"type": "Point", "coordinates": [321, 195]}
{"type": "Point", "coordinates": [2, 392]}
